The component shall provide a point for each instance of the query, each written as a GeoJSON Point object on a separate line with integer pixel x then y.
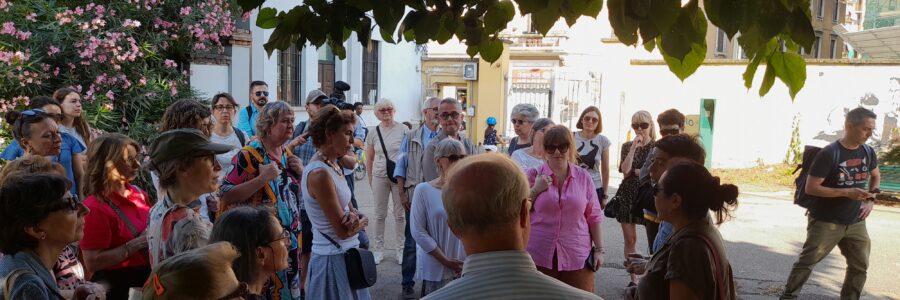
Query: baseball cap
{"type": "Point", "coordinates": [202, 273]}
{"type": "Point", "coordinates": [178, 143]}
{"type": "Point", "coordinates": [315, 96]}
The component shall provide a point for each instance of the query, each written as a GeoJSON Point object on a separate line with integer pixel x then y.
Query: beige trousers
{"type": "Point", "coordinates": [386, 192]}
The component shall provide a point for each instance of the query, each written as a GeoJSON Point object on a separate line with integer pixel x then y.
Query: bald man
{"type": "Point", "coordinates": [486, 198]}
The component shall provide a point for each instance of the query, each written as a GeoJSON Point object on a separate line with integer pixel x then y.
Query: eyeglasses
{"type": "Point", "coordinates": [39, 113]}
{"type": "Point", "coordinates": [285, 235]}
{"type": "Point", "coordinates": [262, 93]}
{"type": "Point", "coordinates": [590, 119]}
{"type": "Point", "coordinates": [386, 110]}
{"type": "Point", "coordinates": [637, 126]}
{"type": "Point", "coordinates": [665, 132]}
{"type": "Point", "coordinates": [563, 148]}
{"type": "Point", "coordinates": [240, 293]}
{"type": "Point", "coordinates": [518, 122]}
{"type": "Point", "coordinates": [69, 202]}
{"type": "Point", "coordinates": [223, 107]}
{"type": "Point", "coordinates": [455, 157]}
{"type": "Point", "coordinates": [450, 115]}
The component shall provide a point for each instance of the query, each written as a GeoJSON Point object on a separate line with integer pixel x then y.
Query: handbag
{"type": "Point", "coordinates": [361, 269]}
{"type": "Point", "coordinates": [612, 208]}
{"type": "Point", "coordinates": [390, 164]}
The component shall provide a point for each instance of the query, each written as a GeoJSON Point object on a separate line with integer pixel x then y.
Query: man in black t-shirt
{"type": "Point", "coordinates": [837, 180]}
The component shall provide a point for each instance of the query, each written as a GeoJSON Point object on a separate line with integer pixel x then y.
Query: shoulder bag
{"type": "Point", "coordinates": [361, 269]}
{"type": "Point", "coordinates": [390, 164]}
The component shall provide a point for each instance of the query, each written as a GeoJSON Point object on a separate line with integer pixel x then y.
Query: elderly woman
{"type": "Point", "coordinates": [382, 151]}
{"type": "Point", "coordinates": [566, 237]}
{"type": "Point", "coordinates": [187, 114]}
{"type": "Point", "coordinates": [633, 155]}
{"type": "Point", "coordinates": [202, 273]}
{"type": "Point", "coordinates": [257, 234]}
{"type": "Point", "coordinates": [593, 150]}
{"type": "Point", "coordinates": [115, 240]}
{"type": "Point", "coordinates": [267, 175]}
{"type": "Point", "coordinates": [36, 132]}
{"type": "Point", "coordinates": [336, 223]}
{"type": "Point", "coordinates": [186, 162]}
{"type": "Point", "coordinates": [523, 116]}
{"type": "Point", "coordinates": [533, 156]}
{"type": "Point", "coordinates": [692, 264]}
{"type": "Point", "coordinates": [440, 254]}
{"type": "Point", "coordinates": [68, 270]}
{"type": "Point", "coordinates": [72, 119]}
{"type": "Point", "coordinates": [38, 219]}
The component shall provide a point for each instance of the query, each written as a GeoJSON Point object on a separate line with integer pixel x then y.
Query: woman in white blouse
{"type": "Point", "coordinates": [533, 157]}
{"type": "Point", "coordinates": [439, 255]}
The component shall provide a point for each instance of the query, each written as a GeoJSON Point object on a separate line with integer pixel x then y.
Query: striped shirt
{"type": "Point", "coordinates": [506, 275]}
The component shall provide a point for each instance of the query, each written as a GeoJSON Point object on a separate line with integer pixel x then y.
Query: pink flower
{"type": "Point", "coordinates": [170, 64]}
{"type": "Point", "coordinates": [185, 10]}
{"type": "Point", "coordinates": [142, 81]}
{"type": "Point", "coordinates": [129, 23]}
{"type": "Point", "coordinates": [56, 71]}
{"type": "Point", "coordinates": [110, 95]}
{"type": "Point", "coordinates": [31, 17]}
{"type": "Point", "coordinates": [23, 35]}
{"type": "Point", "coordinates": [8, 28]}
{"type": "Point", "coordinates": [53, 50]}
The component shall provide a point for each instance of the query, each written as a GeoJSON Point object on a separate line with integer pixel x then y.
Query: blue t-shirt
{"type": "Point", "coordinates": [69, 148]}
{"type": "Point", "coordinates": [247, 120]}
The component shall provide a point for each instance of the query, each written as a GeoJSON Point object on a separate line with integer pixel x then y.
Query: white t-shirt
{"type": "Point", "coordinates": [526, 161]}
{"type": "Point", "coordinates": [74, 133]}
{"type": "Point", "coordinates": [591, 154]}
{"type": "Point", "coordinates": [224, 159]}
{"type": "Point", "coordinates": [320, 224]}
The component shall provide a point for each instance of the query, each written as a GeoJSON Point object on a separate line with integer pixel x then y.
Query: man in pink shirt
{"type": "Point", "coordinates": [566, 217]}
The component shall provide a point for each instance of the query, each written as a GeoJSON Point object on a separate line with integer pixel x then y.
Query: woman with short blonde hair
{"type": "Point", "coordinates": [382, 152]}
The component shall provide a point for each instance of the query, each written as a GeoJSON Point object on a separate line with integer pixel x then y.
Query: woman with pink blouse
{"type": "Point", "coordinates": [566, 239]}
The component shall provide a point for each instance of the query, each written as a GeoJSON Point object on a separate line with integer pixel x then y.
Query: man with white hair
{"type": "Point", "coordinates": [450, 114]}
{"type": "Point", "coordinates": [486, 199]}
{"type": "Point", "coordinates": [408, 174]}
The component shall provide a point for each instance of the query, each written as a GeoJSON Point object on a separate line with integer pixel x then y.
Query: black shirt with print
{"type": "Point", "coordinates": [842, 168]}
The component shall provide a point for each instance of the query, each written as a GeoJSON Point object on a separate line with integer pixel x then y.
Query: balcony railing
{"type": "Point", "coordinates": [535, 42]}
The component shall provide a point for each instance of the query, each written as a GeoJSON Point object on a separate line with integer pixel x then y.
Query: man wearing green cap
{"type": "Point", "coordinates": [185, 160]}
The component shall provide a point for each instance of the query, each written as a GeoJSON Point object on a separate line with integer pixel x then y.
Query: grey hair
{"type": "Point", "coordinates": [448, 147]}
{"type": "Point", "coordinates": [428, 101]}
{"type": "Point", "coordinates": [859, 115]}
{"type": "Point", "coordinates": [269, 115]}
{"type": "Point", "coordinates": [528, 111]}
{"type": "Point", "coordinates": [453, 101]}
{"type": "Point", "coordinates": [541, 123]}
{"type": "Point", "coordinates": [384, 102]}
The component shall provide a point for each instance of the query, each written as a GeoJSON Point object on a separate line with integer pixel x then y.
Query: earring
{"type": "Point", "coordinates": [43, 235]}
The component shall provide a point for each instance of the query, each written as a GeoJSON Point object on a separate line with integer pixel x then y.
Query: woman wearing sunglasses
{"type": "Point", "coordinates": [115, 241]}
{"type": "Point", "coordinates": [566, 239]}
{"type": "Point", "coordinates": [36, 132]}
{"type": "Point", "coordinates": [533, 156]}
{"type": "Point", "coordinates": [634, 153]}
{"type": "Point", "coordinates": [383, 149]}
{"type": "Point", "coordinates": [38, 219]}
{"type": "Point", "coordinates": [258, 236]}
{"type": "Point", "coordinates": [440, 255]}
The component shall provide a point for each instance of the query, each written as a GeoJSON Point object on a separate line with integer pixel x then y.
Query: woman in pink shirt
{"type": "Point", "coordinates": [566, 239]}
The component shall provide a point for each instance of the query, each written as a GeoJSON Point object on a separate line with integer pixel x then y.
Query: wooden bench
{"type": "Point", "coordinates": [890, 178]}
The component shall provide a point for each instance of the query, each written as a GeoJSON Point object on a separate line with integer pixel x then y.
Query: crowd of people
{"type": "Point", "coordinates": [266, 208]}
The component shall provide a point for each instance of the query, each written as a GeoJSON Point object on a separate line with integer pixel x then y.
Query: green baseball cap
{"type": "Point", "coordinates": [178, 143]}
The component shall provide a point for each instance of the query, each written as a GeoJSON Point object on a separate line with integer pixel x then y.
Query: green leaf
{"type": "Point", "coordinates": [623, 26]}
{"type": "Point", "coordinates": [593, 8]}
{"type": "Point", "coordinates": [267, 18]}
{"type": "Point", "coordinates": [386, 35]}
{"type": "Point", "coordinates": [491, 49]}
{"type": "Point", "coordinates": [544, 19]}
{"type": "Point", "coordinates": [498, 16]}
{"type": "Point", "coordinates": [364, 33]}
{"type": "Point", "coordinates": [363, 5]}
{"type": "Point", "coordinates": [768, 81]}
{"type": "Point", "coordinates": [773, 18]}
{"type": "Point", "coordinates": [638, 9]}
{"type": "Point", "coordinates": [530, 6]}
{"type": "Point", "coordinates": [427, 27]}
{"type": "Point", "coordinates": [750, 72]}
{"type": "Point", "coordinates": [444, 34]}
{"type": "Point", "coordinates": [725, 14]}
{"type": "Point", "coordinates": [801, 29]}
{"type": "Point", "coordinates": [648, 30]}
{"type": "Point", "coordinates": [571, 10]}
{"type": "Point", "coordinates": [688, 29]}
{"type": "Point", "coordinates": [472, 51]}
{"type": "Point", "coordinates": [790, 68]}
{"type": "Point", "coordinates": [247, 5]}
{"type": "Point", "coordinates": [684, 68]}
{"type": "Point", "coordinates": [649, 45]}
{"type": "Point", "coordinates": [663, 13]}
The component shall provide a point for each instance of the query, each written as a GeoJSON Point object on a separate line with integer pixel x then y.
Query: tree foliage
{"type": "Point", "coordinates": [771, 31]}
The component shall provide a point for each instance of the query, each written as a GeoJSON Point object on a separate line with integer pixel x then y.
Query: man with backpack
{"type": "Point", "coordinates": [838, 203]}
{"type": "Point", "coordinates": [259, 96]}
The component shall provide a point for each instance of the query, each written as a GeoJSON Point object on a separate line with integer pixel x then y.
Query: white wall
{"type": "Point", "coordinates": [209, 79]}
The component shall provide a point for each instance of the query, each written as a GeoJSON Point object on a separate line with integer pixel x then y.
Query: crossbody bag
{"type": "Point", "coordinates": [360, 263]}
{"type": "Point", "coordinates": [390, 164]}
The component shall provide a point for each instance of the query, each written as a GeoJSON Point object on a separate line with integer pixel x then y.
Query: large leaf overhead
{"type": "Point", "coordinates": [678, 29]}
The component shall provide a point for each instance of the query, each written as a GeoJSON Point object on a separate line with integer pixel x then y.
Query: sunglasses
{"type": "Point", "coordinates": [39, 113]}
{"type": "Point", "coordinates": [69, 202]}
{"type": "Point", "coordinates": [637, 126]}
{"type": "Point", "coordinates": [665, 132]}
{"type": "Point", "coordinates": [455, 157]}
{"type": "Point", "coordinates": [518, 122]}
{"type": "Point", "coordinates": [448, 116]}
{"type": "Point", "coordinates": [262, 93]}
{"type": "Point", "coordinates": [590, 119]}
{"type": "Point", "coordinates": [563, 148]}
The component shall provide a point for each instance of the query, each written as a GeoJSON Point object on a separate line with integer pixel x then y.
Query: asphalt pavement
{"type": "Point", "coordinates": [762, 243]}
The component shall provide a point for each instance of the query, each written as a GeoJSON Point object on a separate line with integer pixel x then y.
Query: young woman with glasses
{"type": "Point", "coordinates": [440, 255]}
{"type": "Point", "coordinates": [593, 150]}
{"type": "Point", "coordinates": [262, 242]}
{"type": "Point", "coordinates": [566, 238]}
{"type": "Point", "coordinates": [634, 153]}
{"type": "Point", "coordinates": [224, 108]}
{"type": "Point", "coordinates": [38, 219]}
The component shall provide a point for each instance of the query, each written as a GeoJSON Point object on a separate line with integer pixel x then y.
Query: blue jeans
{"type": "Point", "coordinates": [408, 269]}
{"type": "Point", "coordinates": [665, 230]}
{"type": "Point", "coordinates": [363, 237]}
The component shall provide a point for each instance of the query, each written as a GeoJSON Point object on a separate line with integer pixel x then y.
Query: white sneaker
{"type": "Point", "coordinates": [378, 257]}
{"type": "Point", "coordinates": [400, 256]}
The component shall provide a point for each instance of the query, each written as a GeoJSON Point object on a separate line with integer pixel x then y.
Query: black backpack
{"type": "Point", "coordinates": [809, 155]}
{"type": "Point", "coordinates": [240, 136]}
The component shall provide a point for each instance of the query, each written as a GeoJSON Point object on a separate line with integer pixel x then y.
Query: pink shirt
{"type": "Point", "coordinates": [559, 221]}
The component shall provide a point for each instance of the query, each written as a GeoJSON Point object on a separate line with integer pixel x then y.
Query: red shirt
{"type": "Point", "coordinates": [104, 230]}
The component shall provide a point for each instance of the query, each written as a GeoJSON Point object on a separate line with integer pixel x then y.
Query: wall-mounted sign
{"type": "Point", "coordinates": [470, 71]}
{"type": "Point", "coordinates": [532, 79]}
